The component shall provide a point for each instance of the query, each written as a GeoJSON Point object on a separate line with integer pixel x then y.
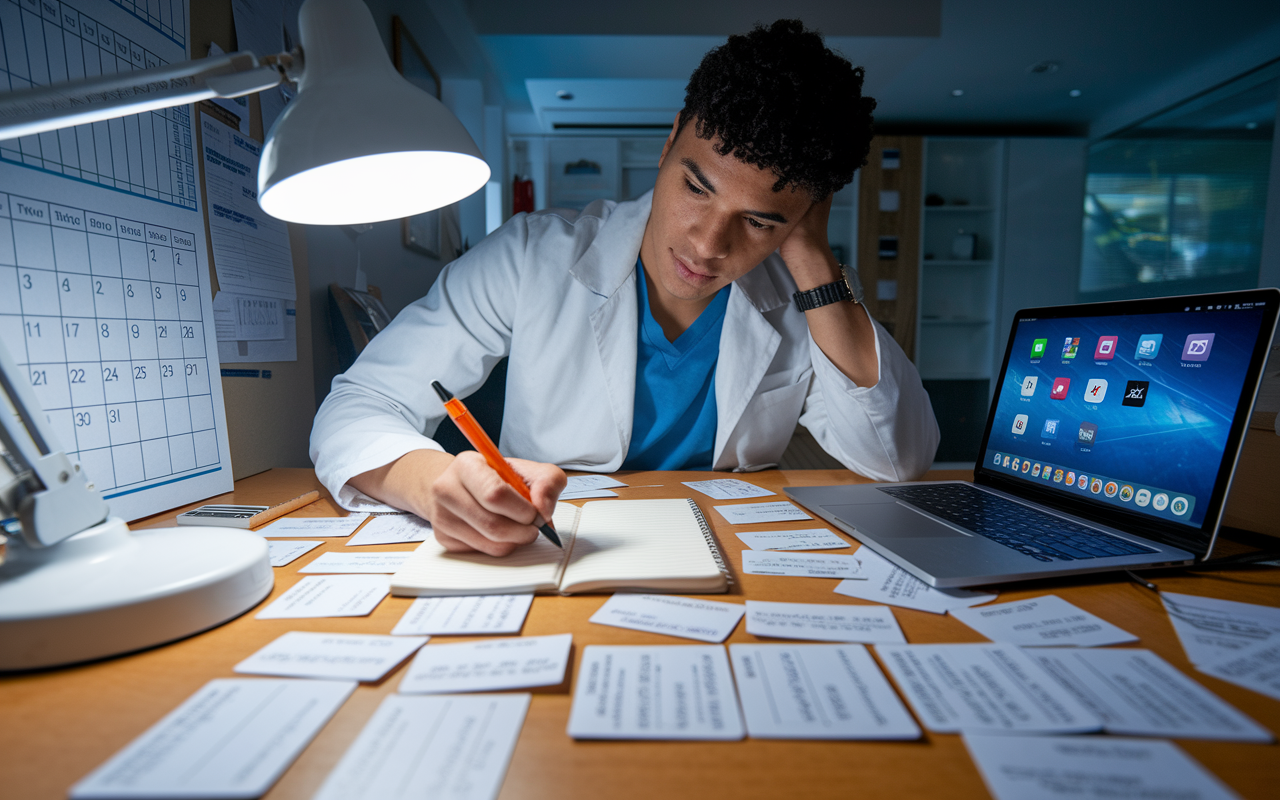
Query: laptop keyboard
{"type": "Point", "coordinates": [1042, 536]}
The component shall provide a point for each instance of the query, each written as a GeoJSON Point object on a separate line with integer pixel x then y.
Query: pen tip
{"type": "Point", "coordinates": [445, 394]}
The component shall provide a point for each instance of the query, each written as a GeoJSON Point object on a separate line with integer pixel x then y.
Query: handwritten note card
{"type": "Point", "coordinates": [410, 747]}
{"type": "Point", "coordinates": [284, 553]}
{"type": "Point", "coordinates": [370, 563]}
{"type": "Point", "coordinates": [492, 613]}
{"type": "Point", "coordinates": [1016, 696]}
{"type": "Point", "coordinates": [392, 529]}
{"type": "Point", "coordinates": [1211, 629]}
{"type": "Point", "coordinates": [811, 539]}
{"type": "Point", "coordinates": [329, 596]}
{"type": "Point", "coordinates": [728, 489]}
{"type": "Point", "coordinates": [488, 665]}
{"type": "Point", "coordinates": [817, 691]}
{"type": "Point", "coordinates": [760, 513]}
{"type": "Point", "coordinates": [353, 656]}
{"type": "Point", "coordinates": [675, 691]}
{"type": "Point", "coordinates": [886, 583]}
{"type": "Point", "coordinates": [824, 622]}
{"type": "Point", "coordinates": [311, 527]}
{"type": "Point", "coordinates": [705, 620]}
{"type": "Point", "coordinates": [232, 738]}
{"type": "Point", "coordinates": [1255, 667]}
{"type": "Point", "coordinates": [1047, 621]}
{"type": "Point", "coordinates": [807, 565]}
{"type": "Point", "coordinates": [1071, 767]}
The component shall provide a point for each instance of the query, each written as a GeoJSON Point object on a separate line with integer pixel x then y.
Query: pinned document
{"type": "Point", "coordinates": [410, 748]}
{"type": "Point", "coordinates": [817, 691]}
{"type": "Point", "coordinates": [231, 739]}
{"type": "Point", "coordinates": [678, 691]}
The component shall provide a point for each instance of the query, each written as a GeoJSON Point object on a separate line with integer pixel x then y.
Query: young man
{"type": "Point", "coordinates": [689, 329]}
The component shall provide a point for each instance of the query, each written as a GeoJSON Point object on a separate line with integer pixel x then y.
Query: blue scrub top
{"type": "Point", "coordinates": [674, 424]}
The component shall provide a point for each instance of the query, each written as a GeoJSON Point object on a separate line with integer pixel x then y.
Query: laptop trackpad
{"type": "Point", "coordinates": [890, 521]}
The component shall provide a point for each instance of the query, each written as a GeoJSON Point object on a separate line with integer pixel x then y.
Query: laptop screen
{"type": "Point", "coordinates": [1130, 405]}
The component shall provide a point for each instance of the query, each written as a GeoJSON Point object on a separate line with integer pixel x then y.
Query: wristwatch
{"type": "Point", "coordinates": [847, 288]}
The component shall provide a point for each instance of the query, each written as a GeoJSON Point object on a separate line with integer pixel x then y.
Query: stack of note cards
{"type": "Point", "coordinates": [678, 691]}
{"type": "Point", "coordinates": [1069, 767]}
{"type": "Point", "coordinates": [817, 691]}
{"type": "Point", "coordinates": [825, 622]}
{"type": "Point", "coordinates": [232, 738]}
{"type": "Point", "coordinates": [705, 620]}
{"type": "Point", "coordinates": [654, 545]}
{"type": "Point", "coordinates": [488, 666]}
{"type": "Point", "coordinates": [1236, 642]}
{"type": "Point", "coordinates": [492, 613]}
{"type": "Point", "coordinates": [457, 747]}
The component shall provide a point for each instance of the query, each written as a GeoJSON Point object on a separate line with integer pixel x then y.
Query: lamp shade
{"type": "Point", "coordinates": [361, 144]}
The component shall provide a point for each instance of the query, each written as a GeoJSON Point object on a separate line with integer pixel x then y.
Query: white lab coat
{"type": "Point", "coordinates": [556, 292]}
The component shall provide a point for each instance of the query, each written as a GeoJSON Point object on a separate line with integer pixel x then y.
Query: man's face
{"type": "Point", "coordinates": [714, 219]}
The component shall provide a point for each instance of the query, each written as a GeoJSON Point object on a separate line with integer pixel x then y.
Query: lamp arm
{"type": "Point", "coordinates": [46, 108]}
{"type": "Point", "coordinates": [38, 483]}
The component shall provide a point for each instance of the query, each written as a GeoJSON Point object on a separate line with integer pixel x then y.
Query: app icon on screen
{"type": "Point", "coordinates": [1148, 345]}
{"type": "Point", "coordinates": [1006, 460]}
{"type": "Point", "coordinates": [1038, 347]}
{"type": "Point", "coordinates": [1029, 385]}
{"type": "Point", "coordinates": [1050, 429]}
{"type": "Point", "coordinates": [1142, 497]}
{"type": "Point", "coordinates": [1106, 348]}
{"type": "Point", "coordinates": [1110, 489]}
{"type": "Point", "coordinates": [1179, 505]}
{"type": "Point", "coordinates": [1035, 471]}
{"type": "Point", "coordinates": [1070, 346]}
{"type": "Point", "coordinates": [1026, 467]}
{"type": "Point", "coordinates": [1047, 471]}
{"type": "Point", "coordinates": [1197, 347]}
{"type": "Point", "coordinates": [1135, 393]}
{"type": "Point", "coordinates": [1057, 476]}
{"type": "Point", "coordinates": [1095, 485]}
{"type": "Point", "coordinates": [1060, 387]}
{"type": "Point", "coordinates": [1088, 434]}
{"type": "Point", "coordinates": [1160, 502]}
{"type": "Point", "coordinates": [1083, 481]}
{"type": "Point", "coordinates": [1020, 423]}
{"type": "Point", "coordinates": [1126, 493]}
{"type": "Point", "coordinates": [1095, 391]}
{"type": "Point", "coordinates": [997, 461]}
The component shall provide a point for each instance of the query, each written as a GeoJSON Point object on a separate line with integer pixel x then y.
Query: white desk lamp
{"type": "Point", "coordinates": [359, 144]}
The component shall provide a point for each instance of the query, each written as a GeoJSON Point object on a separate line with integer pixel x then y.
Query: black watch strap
{"type": "Point", "coordinates": [834, 292]}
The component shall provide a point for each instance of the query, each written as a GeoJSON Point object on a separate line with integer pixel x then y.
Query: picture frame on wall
{"type": "Point", "coordinates": [435, 234]}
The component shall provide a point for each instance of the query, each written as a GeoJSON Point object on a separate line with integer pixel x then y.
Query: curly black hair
{"type": "Point", "coordinates": [779, 99]}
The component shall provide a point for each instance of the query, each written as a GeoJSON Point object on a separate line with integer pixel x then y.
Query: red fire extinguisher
{"type": "Point", "coordinates": [521, 194]}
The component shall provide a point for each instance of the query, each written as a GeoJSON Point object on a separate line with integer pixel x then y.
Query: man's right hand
{"type": "Point", "coordinates": [470, 507]}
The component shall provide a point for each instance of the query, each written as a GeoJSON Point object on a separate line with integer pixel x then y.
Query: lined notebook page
{"type": "Point", "coordinates": [536, 567]}
{"type": "Point", "coordinates": [656, 545]}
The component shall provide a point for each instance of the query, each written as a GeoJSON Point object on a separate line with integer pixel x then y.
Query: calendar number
{"type": "Point", "coordinates": [83, 419]}
{"type": "Point", "coordinates": [72, 329]}
{"type": "Point", "coordinates": [26, 280]}
{"type": "Point", "coordinates": [76, 375]}
{"type": "Point", "coordinates": [193, 369]}
{"type": "Point", "coordinates": [106, 331]}
{"type": "Point", "coordinates": [33, 330]}
{"type": "Point", "coordinates": [188, 332]}
{"type": "Point", "coordinates": [109, 375]}
{"type": "Point", "coordinates": [162, 331]}
{"type": "Point", "coordinates": [139, 373]}
{"type": "Point", "coordinates": [39, 378]}
{"type": "Point", "coordinates": [113, 415]}
{"type": "Point", "coordinates": [128, 289]}
{"type": "Point", "coordinates": [157, 288]}
{"type": "Point", "coordinates": [135, 330]}
{"type": "Point", "coordinates": [166, 370]}
{"type": "Point", "coordinates": [97, 287]}
{"type": "Point", "coordinates": [66, 284]}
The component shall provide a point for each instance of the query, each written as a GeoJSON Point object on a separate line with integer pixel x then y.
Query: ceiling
{"type": "Point", "coordinates": [625, 64]}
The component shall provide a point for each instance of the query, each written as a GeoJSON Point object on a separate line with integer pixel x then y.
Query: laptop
{"type": "Point", "coordinates": [1110, 444]}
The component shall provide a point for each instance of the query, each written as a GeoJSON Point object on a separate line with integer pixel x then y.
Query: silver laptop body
{"type": "Point", "coordinates": [1132, 450]}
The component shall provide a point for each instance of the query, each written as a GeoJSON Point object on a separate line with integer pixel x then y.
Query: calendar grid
{"type": "Point", "coordinates": [108, 312]}
{"type": "Point", "coordinates": [147, 155]}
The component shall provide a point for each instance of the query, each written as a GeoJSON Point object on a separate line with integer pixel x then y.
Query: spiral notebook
{"type": "Point", "coordinates": [609, 545]}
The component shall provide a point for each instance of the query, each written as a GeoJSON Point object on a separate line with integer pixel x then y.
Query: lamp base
{"type": "Point", "coordinates": [109, 590]}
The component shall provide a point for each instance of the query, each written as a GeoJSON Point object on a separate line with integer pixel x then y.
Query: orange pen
{"type": "Point", "coordinates": [481, 441]}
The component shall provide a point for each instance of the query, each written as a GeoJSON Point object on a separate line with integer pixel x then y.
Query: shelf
{"type": "Point", "coordinates": [957, 209]}
{"type": "Point", "coordinates": [941, 262]}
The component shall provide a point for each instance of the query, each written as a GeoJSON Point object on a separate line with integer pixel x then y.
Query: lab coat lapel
{"type": "Point", "coordinates": [747, 347]}
{"type": "Point", "coordinates": [608, 269]}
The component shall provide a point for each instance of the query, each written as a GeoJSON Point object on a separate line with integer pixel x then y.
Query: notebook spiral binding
{"type": "Point", "coordinates": [712, 545]}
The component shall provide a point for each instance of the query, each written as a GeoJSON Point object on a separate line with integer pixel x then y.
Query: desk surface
{"type": "Point", "coordinates": [58, 725]}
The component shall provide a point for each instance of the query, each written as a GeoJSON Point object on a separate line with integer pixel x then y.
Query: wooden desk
{"type": "Point", "coordinates": [56, 726]}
